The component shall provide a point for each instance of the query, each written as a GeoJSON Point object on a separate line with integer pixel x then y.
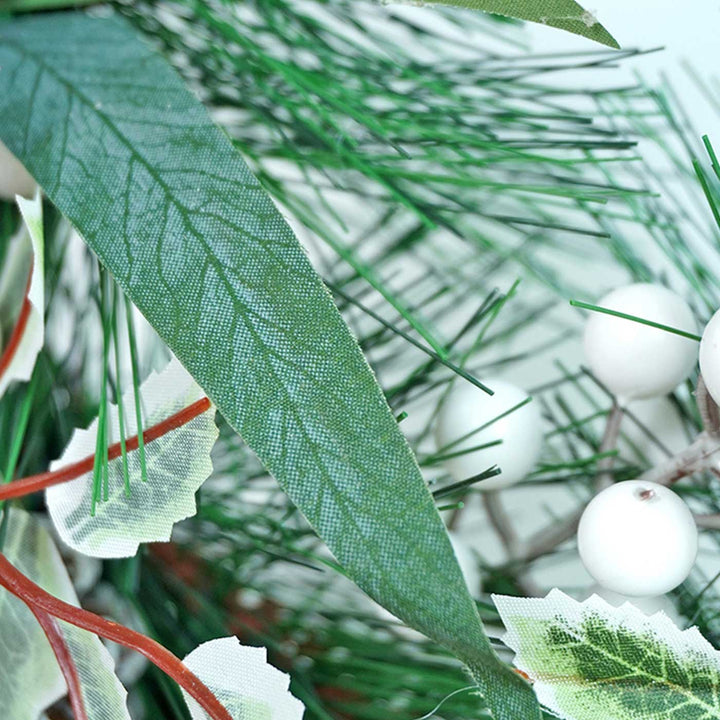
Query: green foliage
{"type": "Point", "coordinates": [487, 154]}
{"type": "Point", "coordinates": [591, 660]}
{"type": "Point", "coordinates": [158, 192]}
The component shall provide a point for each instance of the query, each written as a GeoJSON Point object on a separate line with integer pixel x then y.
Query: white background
{"type": "Point", "coordinates": [689, 31]}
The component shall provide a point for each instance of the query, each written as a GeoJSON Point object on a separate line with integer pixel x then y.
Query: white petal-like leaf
{"type": "Point", "coordinates": [177, 465]}
{"type": "Point", "coordinates": [593, 661]}
{"type": "Point", "coordinates": [21, 347]}
{"type": "Point", "coordinates": [242, 680]}
{"type": "Point", "coordinates": [30, 678]}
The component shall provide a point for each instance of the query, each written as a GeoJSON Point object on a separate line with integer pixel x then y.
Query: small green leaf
{"type": "Point", "coordinates": [130, 156]}
{"type": "Point", "coordinates": [178, 463]}
{"type": "Point", "coordinates": [563, 14]}
{"type": "Point", "coordinates": [591, 660]}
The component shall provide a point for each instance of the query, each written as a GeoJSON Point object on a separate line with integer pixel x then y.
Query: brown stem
{"type": "Point", "coordinates": [608, 443]}
{"type": "Point", "coordinates": [35, 483]}
{"type": "Point", "coordinates": [548, 539]}
{"type": "Point", "coordinates": [35, 597]}
{"type": "Point", "coordinates": [692, 459]}
{"type": "Point", "coordinates": [65, 660]}
{"type": "Point", "coordinates": [561, 531]}
{"type": "Point", "coordinates": [708, 409]}
{"type": "Point", "coordinates": [501, 522]}
{"type": "Point", "coordinates": [708, 522]}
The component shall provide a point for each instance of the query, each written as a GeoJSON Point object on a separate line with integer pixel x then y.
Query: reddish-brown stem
{"type": "Point", "coordinates": [35, 597]}
{"type": "Point", "coordinates": [65, 660]}
{"type": "Point", "coordinates": [34, 483]}
{"type": "Point", "coordinates": [19, 329]}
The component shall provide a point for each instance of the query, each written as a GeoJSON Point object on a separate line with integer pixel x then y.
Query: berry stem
{"type": "Point", "coordinates": [708, 409]}
{"type": "Point", "coordinates": [608, 443]}
{"type": "Point", "coordinates": [36, 598]}
{"type": "Point", "coordinates": [695, 457]}
{"type": "Point", "coordinates": [65, 660]}
{"type": "Point", "coordinates": [35, 483]}
{"type": "Point", "coordinates": [708, 522]}
{"type": "Point", "coordinates": [501, 522]}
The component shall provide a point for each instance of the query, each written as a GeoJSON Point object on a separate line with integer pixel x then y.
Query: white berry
{"type": "Point", "coordinates": [638, 539]}
{"type": "Point", "coordinates": [635, 360]}
{"type": "Point", "coordinates": [14, 178]}
{"type": "Point", "coordinates": [467, 408]}
{"type": "Point", "coordinates": [710, 356]}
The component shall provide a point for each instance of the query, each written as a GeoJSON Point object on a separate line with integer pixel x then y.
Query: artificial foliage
{"type": "Point", "coordinates": [591, 660]}
{"type": "Point", "coordinates": [229, 289]}
{"type": "Point", "coordinates": [444, 181]}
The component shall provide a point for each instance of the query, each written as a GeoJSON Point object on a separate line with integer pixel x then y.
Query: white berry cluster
{"type": "Point", "coordinates": [635, 538]}
{"type": "Point", "coordinates": [639, 538]}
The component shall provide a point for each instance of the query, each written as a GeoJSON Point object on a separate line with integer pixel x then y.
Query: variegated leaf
{"type": "Point", "coordinates": [592, 661]}
{"type": "Point", "coordinates": [244, 682]}
{"type": "Point", "coordinates": [178, 462]}
{"type": "Point", "coordinates": [30, 678]}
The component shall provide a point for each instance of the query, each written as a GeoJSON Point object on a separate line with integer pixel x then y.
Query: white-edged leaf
{"type": "Point", "coordinates": [593, 661]}
{"type": "Point", "coordinates": [243, 681]}
{"type": "Point", "coordinates": [18, 356]}
{"type": "Point", "coordinates": [30, 678]}
{"type": "Point", "coordinates": [104, 696]}
{"type": "Point", "coordinates": [177, 465]}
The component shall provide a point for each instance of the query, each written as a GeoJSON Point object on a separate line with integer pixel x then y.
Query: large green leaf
{"type": "Point", "coordinates": [131, 157]}
{"type": "Point", "coordinates": [563, 14]}
{"type": "Point", "coordinates": [592, 661]}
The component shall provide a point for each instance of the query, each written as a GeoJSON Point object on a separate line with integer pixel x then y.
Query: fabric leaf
{"type": "Point", "coordinates": [244, 682]}
{"type": "Point", "coordinates": [591, 660]}
{"type": "Point", "coordinates": [172, 210]}
{"type": "Point", "coordinates": [22, 345]}
{"type": "Point", "coordinates": [30, 679]}
{"type": "Point", "coordinates": [177, 464]}
{"type": "Point", "coordinates": [563, 14]}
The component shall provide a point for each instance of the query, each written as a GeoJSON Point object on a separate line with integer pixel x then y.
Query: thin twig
{"type": "Point", "coordinates": [501, 522]}
{"type": "Point", "coordinates": [708, 409]}
{"type": "Point", "coordinates": [708, 522]}
{"type": "Point", "coordinates": [694, 458]}
{"type": "Point", "coordinates": [561, 531]}
{"type": "Point", "coordinates": [604, 478]}
{"type": "Point", "coordinates": [549, 538]}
